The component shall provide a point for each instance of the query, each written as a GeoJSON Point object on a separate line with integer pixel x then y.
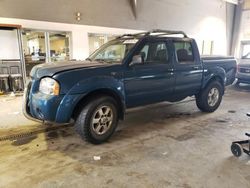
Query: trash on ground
{"type": "Point", "coordinates": [14, 113]}
{"type": "Point", "coordinates": [12, 94]}
{"type": "Point", "coordinates": [97, 158]}
{"type": "Point", "coordinates": [248, 163]}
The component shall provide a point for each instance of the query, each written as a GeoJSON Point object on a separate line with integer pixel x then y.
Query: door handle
{"type": "Point", "coordinates": [170, 70]}
{"type": "Point", "coordinates": [196, 67]}
{"type": "Point", "coordinates": [113, 73]}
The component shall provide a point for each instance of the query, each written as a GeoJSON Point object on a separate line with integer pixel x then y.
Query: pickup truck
{"type": "Point", "coordinates": [243, 71]}
{"type": "Point", "coordinates": [129, 71]}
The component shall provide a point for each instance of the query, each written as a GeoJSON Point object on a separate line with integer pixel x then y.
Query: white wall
{"type": "Point", "coordinates": [244, 30]}
{"type": "Point", "coordinates": [212, 29]}
{"type": "Point", "coordinates": [79, 37]}
{"type": "Point", "coordinates": [201, 20]}
{"type": "Point", "coordinates": [8, 45]}
{"type": "Point", "coordinates": [245, 27]}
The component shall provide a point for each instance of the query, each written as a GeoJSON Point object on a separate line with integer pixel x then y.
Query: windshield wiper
{"type": "Point", "coordinates": [88, 59]}
{"type": "Point", "coordinates": [109, 61]}
{"type": "Point", "coordinates": [101, 60]}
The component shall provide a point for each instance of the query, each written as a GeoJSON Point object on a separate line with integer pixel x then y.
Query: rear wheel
{"type": "Point", "coordinates": [98, 120]}
{"type": "Point", "coordinates": [210, 98]}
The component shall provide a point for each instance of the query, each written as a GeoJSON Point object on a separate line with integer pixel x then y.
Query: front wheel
{"type": "Point", "coordinates": [98, 120]}
{"type": "Point", "coordinates": [209, 99]}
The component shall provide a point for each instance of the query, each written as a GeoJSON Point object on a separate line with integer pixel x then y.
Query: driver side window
{"type": "Point", "coordinates": [155, 52]}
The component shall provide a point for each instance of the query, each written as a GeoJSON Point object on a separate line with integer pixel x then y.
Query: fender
{"type": "Point", "coordinates": [213, 72]}
{"type": "Point", "coordinates": [82, 89]}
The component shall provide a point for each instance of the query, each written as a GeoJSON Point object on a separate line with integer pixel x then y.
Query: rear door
{"type": "Point", "coordinates": [188, 67]}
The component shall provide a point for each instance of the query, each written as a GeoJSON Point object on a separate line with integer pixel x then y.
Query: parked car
{"type": "Point", "coordinates": [129, 71]}
{"type": "Point", "coordinates": [243, 71]}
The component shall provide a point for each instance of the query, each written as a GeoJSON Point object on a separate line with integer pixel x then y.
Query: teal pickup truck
{"type": "Point", "coordinates": [129, 71]}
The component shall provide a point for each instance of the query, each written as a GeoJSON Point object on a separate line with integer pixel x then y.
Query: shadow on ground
{"type": "Point", "coordinates": [140, 125]}
{"type": "Point", "coordinates": [241, 87]}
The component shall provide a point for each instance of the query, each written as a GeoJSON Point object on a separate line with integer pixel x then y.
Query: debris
{"type": "Point", "coordinates": [231, 111]}
{"type": "Point", "coordinates": [97, 158]}
{"type": "Point", "coordinates": [165, 153]}
{"type": "Point", "coordinates": [12, 94]}
{"type": "Point", "coordinates": [221, 121]}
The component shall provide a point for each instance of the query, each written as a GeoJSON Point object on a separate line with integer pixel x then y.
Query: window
{"type": "Point", "coordinates": [113, 51]}
{"type": "Point", "coordinates": [97, 40]}
{"type": "Point", "coordinates": [207, 47]}
{"type": "Point", "coordinates": [34, 46]}
{"type": "Point", "coordinates": [44, 46]}
{"type": "Point", "coordinates": [9, 44]}
{"type": "Point", "coordinates": [184, 52]}
{"type": "Point", "coordinates": [154, 52]}
{"type": "Point", "coordinates": [245, 51]}
{"type": "Point", "coordinates": [59, 46]}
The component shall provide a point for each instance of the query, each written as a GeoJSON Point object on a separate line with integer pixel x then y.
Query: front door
{"type": "Point", "coordinates": [153, 80]}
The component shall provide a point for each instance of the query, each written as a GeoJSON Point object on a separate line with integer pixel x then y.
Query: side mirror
{"type": "Point", "coordinates": [136, 60]}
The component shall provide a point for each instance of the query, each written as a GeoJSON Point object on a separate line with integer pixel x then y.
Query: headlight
{"type": "Point", "coordinates": [49, 86]}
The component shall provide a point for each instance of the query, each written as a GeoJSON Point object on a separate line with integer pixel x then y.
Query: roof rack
{"type": "Point", "coordinates": [134, 35]}
{"type": "Point", "coordinates": [168, 32]}
{"type": "Point", "coordinates": [159, 31]}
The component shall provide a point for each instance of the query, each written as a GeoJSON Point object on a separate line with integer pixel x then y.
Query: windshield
{"type": "Point", "coordinates": [246, 51]}
{"type": "Point", "coordinates": [113, 51]}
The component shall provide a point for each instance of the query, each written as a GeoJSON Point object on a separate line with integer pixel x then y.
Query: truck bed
{"type": "Point", "coordinates": [228, 63]}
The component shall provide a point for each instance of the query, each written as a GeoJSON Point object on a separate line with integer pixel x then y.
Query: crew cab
{"type": "Point", "coordinates": [129, 71]}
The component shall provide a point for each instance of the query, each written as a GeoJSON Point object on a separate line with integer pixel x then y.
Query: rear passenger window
{"type": "Point", "coordinates": [184, 52]}
{"type": "Point", "coordinates": [154, 52]}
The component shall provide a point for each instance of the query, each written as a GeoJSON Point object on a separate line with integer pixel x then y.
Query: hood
{"type": "Point", "coordinates": [49, 69]}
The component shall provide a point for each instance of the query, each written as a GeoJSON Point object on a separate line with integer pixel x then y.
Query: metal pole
{"type": "Point", "coordinates": [47, 47]}
{"type": "Point", "coordinates": [20, 45]}
{"type": "Point", "coordinates": [236, 28]}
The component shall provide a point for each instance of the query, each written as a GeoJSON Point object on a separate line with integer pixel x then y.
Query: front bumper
{"type": "Point", "coordinates": [25, 107]}
{"type": "Point", "coordinates": [243, 77]}
{"type": "Point", "coordinates": [39, 107]}
{"type": "Point", "coordinates": [49, 109]}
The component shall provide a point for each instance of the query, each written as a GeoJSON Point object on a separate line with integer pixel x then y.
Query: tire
{"type": "Point", "coordinates": [237, 84]}
{"type": "Point", "coordinates": [236, 149]}
{"type": "Point", "coordinates": [97, 120]}
{"type": "Point", "coordinates": [209, 99]}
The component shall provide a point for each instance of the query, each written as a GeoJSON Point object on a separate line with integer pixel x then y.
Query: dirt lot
{"type": "Point", "coordinates": [164, 145]}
